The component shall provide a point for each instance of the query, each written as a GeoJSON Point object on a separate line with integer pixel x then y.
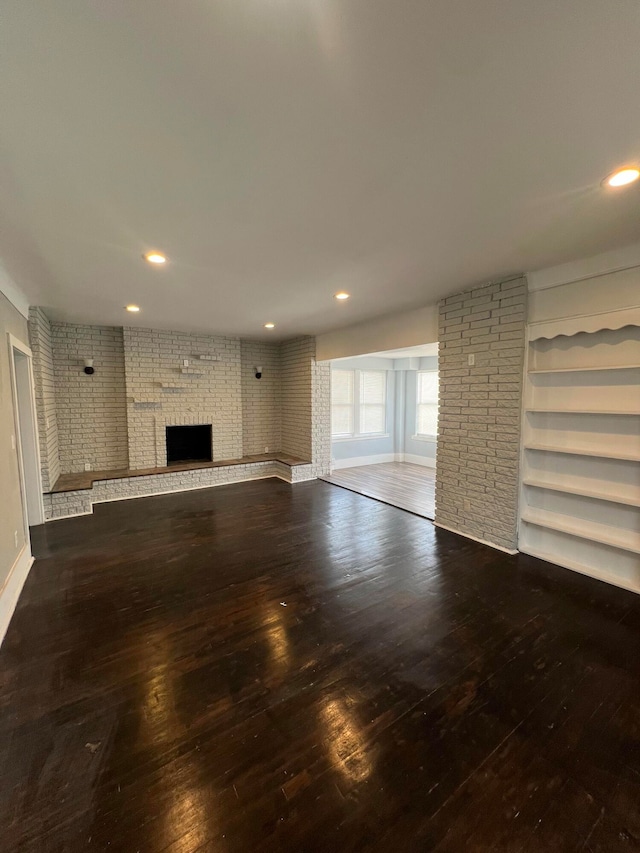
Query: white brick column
{"type": "Point", "coordinates": [479, 417]}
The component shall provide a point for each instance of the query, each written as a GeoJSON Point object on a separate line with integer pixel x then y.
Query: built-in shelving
{"type": "Point", "coordinates": [582, 411]}
{"type": "Point", "coordinates": [578, 566]}
{"type": "Point", "coordinates": [580, 473]}
{"type": "Point", "coordinates": [597, 494]}
{"type": "Point", "coordinates": [628, 540]}
{"type": "Point", "coordinates": [598, 368]}
{"type": "Point", "coordinates": [577, 451]}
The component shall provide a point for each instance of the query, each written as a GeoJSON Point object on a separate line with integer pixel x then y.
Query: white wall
{"type": "Point", "coordinates": [15, 553]}
{"type": "Point", "coordinates": [408, 329]}
{"type": "Point", "coordinates": [416, 450]}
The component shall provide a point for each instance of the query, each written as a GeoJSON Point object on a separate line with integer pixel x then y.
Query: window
{"type": "Point", "coordinates": [427, 404]}
{"type": "Point", "coordinates": [342, 400]}
{"type": "Point", "coordinates": [358, 403]}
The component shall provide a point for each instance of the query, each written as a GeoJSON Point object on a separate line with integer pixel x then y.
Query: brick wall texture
{"type": "Point", "coordinates": [43, 379]}
{"type": "Point", "coordinates": [261, 398]}
{"type": "Point", "coordinates": [297, 359]}
{"type": "Point", "coordinates": [479, 411]}
{"type": "Point", "coordinates": [163, 391]}
{"type": "Point", "coordinates": [91, 410]}
{"type": "Point", "coordinates": [117, 417]}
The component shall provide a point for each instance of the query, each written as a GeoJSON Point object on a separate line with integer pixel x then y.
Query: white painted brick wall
{"type": "Point", "coordinates": [91, 410]}
{"type": "Point", "coordinates": [210, 394]}
{"type": "Point", "coordinates": [43, 378]}
{"type": "Point", "coordinates": [261, 398]}
{"type": "Point", "coordinates": [287, 410]}
{"type": "Point", "coordinates": [297, 357]}
{"type": "Point", "coordinates": [65, 504]}
{"type": "Point", "coordinates": [479, 414]}
{"type": "Point", "coordinates": [306, 408]}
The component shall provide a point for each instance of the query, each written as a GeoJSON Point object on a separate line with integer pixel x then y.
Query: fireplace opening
{"type": "Point", "coordinates": [188, 443]}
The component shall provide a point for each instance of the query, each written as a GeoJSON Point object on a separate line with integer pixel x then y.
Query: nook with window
{"type": "Point", "coordinates": [358, 403]}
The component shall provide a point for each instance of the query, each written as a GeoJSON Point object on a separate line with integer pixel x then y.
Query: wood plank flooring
{"type": "Point", "coordinates": [261, 667]}
{"type": "Point", "coordinates": [402, 484]}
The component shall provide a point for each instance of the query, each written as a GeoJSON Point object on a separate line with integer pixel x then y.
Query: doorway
{"type": "Point", "coordinates": [384, 416]}
{"type": "Point", "coordinates": [26, 430]}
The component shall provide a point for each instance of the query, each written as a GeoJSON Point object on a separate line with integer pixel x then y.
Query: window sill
{"type": "Point", "coordinates": [366, 437]}
{"type": "Point", "coordinates": [432, 439]}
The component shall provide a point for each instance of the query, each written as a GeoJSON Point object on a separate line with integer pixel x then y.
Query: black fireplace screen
{"type": "Point", "coordinates": [188, 443]}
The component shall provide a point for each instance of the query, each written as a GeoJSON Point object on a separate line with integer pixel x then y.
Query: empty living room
{"type": "Point", "coordinates": [319, 426]}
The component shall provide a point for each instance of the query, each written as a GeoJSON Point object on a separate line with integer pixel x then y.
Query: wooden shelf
{"type": "Point", "coordinates": [616, 537]}
{"type": "Point", "coordinates": [584, 369]}
{"type": "Point", "coordinates": [580, 490]}
{"type": "Point", "coordinates": [556, 411]}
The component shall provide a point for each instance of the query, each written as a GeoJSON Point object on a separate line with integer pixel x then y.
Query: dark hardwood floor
{"type": "Point", "coordinates": [402, 484]}
{"type": "Point", "coordinates": [266, 667]}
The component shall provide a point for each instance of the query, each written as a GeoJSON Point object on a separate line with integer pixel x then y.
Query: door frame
{"type": "Point", "coordinates": [22, 395]}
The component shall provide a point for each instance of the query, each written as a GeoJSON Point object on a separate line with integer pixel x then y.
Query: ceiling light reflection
{"type": "Point", "coordinates": [347, 747]}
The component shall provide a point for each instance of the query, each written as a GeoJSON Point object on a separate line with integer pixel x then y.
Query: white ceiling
{"type": "Point", "coordinates": [280, 150]}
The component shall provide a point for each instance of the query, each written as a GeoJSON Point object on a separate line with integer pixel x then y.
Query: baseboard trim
{"type": "Point", "coordinates": [356, 461]}
{"type": "Point", "coordinates": [414, 459]}
{"type": "Point", "coordinates": [475, 539]}
{"type": "Point", "coordinates": [12, 588]}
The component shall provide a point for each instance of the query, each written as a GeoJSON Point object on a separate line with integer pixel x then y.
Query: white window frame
{"type": "Point", "coordinates": [356, 434]}
{"type": "Point", "coordinates": [418, 435]}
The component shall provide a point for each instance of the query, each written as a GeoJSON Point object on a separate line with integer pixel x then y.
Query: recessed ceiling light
{"type": "Point", "coordinates": [269, 325]}
{"type": "Point", "coordinates": [133, 308]}
{"type": "Point", "coordinates": [155, 258]}
{"type": "Point", "coordinates": [623, 177]}
{"type": "Point", "coordinates": [341, 295]}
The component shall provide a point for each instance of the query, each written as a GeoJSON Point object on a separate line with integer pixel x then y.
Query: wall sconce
{"type": "Point", "coordinates": [88, 366]}
{"type": "Point", "coordinates": [258, 371]}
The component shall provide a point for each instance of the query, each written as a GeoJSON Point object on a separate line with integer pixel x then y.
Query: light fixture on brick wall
{"type": "Point", "coordinates": [88, 366]}
{"type": "Point", "coordinates": [258, 372]}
